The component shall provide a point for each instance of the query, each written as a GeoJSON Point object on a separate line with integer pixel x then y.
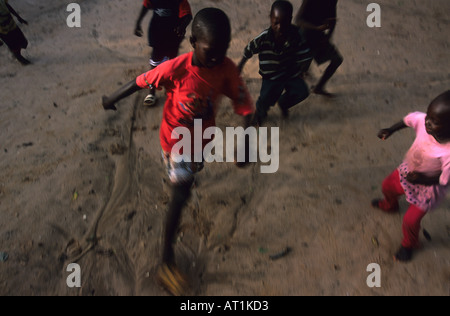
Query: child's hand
{"type": "Point", "coordinates": [180, 31]}
{"type": "Point", "coordinates": [384, 133]}
{"type": "Point", "coordinates": [414, 177]}
{"type": "Point", "coordinates": [324, 27]}
{"type": "Point", "coordinates": [108, 105]}
{"type": "Point", "coordinates": [138, 31]}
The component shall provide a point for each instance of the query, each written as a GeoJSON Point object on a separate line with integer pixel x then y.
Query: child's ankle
{"type": "Point", "coordinates": [404, 254]}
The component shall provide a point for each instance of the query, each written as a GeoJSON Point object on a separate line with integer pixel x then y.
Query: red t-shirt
{"type": "Point", "coordinates": [193, 93]}
{"type": "Point", "coordinates": [183, 9]}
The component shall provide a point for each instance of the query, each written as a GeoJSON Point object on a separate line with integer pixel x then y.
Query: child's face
{"type": "Point", "coordinates": [280, 22]}
{"type": "Point", "coordinates": [209, 52]}
{"type": "Point", "coordinates": [437, 122]}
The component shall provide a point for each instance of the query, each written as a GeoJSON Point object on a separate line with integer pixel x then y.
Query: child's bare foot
{"type": "Point", "coordinates": [23, 60]}
{"type": "Point", "coordinates": [170, 277]}
{"type": "Point", "coordinates": [403, 254]}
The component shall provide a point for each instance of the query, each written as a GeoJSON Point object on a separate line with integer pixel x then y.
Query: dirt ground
{"type": "Point", "coordinates": [75, 175]}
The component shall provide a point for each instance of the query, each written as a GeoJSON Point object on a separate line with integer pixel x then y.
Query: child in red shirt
{"type": "Point", "coordinates": [193, 84]}
{"type": "Point", "coordinates": [166, 31]}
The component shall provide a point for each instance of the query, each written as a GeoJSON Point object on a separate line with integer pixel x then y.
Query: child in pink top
{"type": "Point", "coordinates": [424, 175]}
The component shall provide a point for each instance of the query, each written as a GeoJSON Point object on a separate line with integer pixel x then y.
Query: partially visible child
{"type": "Point", "coordinates": [194, 83]}
{"type": "Point", "coordinates": [283, 59]}
{"type": "Point", "coordinates": [318, 18]}
{"type": "Point", "coordinates": [425, 172]}
{"type": "Point", "coordinates": [10, 33]}
{"type": "Point", "coordinates": [166, 31]}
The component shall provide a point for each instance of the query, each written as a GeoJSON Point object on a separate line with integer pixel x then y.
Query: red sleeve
{"type": "Point", "coordinates": [237, 90]}
{"type": "Point", "coordinates": [147, 4]}
{"type": "Point", "coordinates": [162, 75]}
{"type": "Point", "coordinates": [185, 9]}
{"type": "Point", "coordinates": [155, 77]}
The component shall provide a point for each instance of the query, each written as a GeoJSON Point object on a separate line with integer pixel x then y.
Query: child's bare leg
{"type": "Point", "coordinates": [336, 61]}
{"type": "Point", "coordinates": [180, 195]}
{"type": "Point", "coordinates": [169, 276]}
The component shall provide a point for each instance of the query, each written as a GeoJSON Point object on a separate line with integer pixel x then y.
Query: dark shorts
{"type": "Point", "coordinates": [163, 39]}
{"type": "Point", "coordinates": [15, 40]}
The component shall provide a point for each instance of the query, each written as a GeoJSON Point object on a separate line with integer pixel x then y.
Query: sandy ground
{"type": "Point", "coordinates": [73, 174]}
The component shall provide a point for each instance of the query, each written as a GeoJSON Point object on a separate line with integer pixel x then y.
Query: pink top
{"type": "Point", "coordinates": [427, 156]}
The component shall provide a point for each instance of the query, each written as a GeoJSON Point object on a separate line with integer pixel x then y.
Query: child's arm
{"type": "Point", "coordinates": [13, 12]}
{"type": "Point", "coordinates": [127, 90]}
{"type": "Point", "coordinates": [153, 78]}
{"type": "Point", "coordinates": [242, 64]}
{"type": "Point", "coordinates": [180, 30]}
{"type": "Point", "coordinates": [387, 132]}
{"type": "Point", "coordinates": [423, 179]}
{"type": "Point", "coordinates": [138, 30]}
{"type": "Point", "coordinates": [251, 49]}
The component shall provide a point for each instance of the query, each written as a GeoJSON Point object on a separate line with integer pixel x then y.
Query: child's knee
{"type": "Point", "coordinates": [181, 177]}
{"type": "Point", "coordinates": [338, 60]}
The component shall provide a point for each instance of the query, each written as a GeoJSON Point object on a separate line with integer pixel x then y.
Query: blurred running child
{"type": "Point", "coordinates": [194, 83]}
{"type": "Point", "coordinates": [318, 18]}
{"type": "Point", "coordinates": [283, 59]}
{"type": "Point", "coordinates": [166, 31]}
{"type": "Point", "coordinates": [10, 33]}
{"type": "Point", "coordinates": [425, 172]}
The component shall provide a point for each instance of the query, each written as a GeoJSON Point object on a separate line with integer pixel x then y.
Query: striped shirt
{"type": "Point", "coordinates": [280, 62]}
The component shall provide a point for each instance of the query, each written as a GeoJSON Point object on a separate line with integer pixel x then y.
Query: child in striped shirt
{"type": "Point", "coordinates": [283, 59]}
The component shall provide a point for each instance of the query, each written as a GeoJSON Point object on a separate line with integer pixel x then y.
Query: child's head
{"type": "Point", "coordinates": [437, 121]}
{"type": "Point", "coordinates": [211, 36]}
{"type": "Point", "coordinates": [281, 16]}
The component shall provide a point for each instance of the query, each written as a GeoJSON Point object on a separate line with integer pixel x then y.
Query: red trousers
{"type": "Point", "coordinates": [393, 190]}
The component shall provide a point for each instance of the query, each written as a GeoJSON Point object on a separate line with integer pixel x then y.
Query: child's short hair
{"type": "Point", "coordinates": [284, 6]}
{"type": "Point", "coordinates": [443, 98]}
{"type": "Point", "coordinates": [211, 22]}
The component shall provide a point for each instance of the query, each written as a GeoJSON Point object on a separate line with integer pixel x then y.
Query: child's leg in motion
{"type": "Point", "coordinates": [270, 93]}
{"type": "Point", "coordinates": [157, 58]}
{"type": "Point", "coordinates": [180, 195]}
{"type": "Point", "coordinates": [336, 61]}
{"type": "Point", "coordinates": [18, 55]}
{"type": "Point", "coordinates": [392, 190]}
{"type": "Point", "coordinates": [169, 276]}
{"type": "Point", "coordinates": [296, 92]}
{"type": "Point", "coordinates": [182, 177]}
{"type": "Point", "coordinates": [411, 230]}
